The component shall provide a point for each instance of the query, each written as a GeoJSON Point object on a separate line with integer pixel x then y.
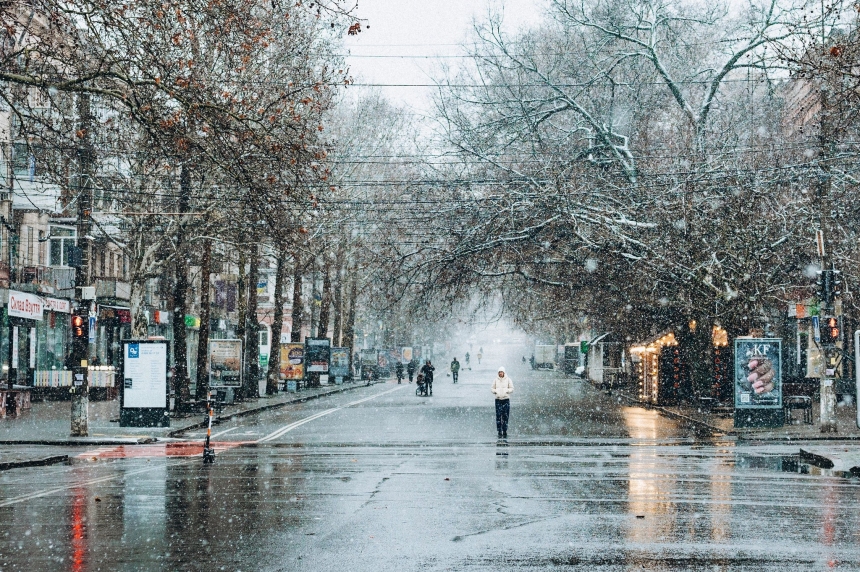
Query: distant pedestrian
{"type": "Point", "coordinates": [428, 370]}
{"type": "Point", "coordinates": [398, 369]}
{"type": "Point", "coordinates": [479, 356]}
{"type": "Point", "coordinates": [410, 369]}
{"type": "Point", "coordinates": [455, 369]}
{"type": "Point", "coordinates": [502, 389]}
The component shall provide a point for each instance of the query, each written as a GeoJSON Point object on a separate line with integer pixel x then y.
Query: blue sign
{"type": "Point", "coordinates": [92, 330]}
{"type": "Point", "coordinates": [816, 328]}
{"type": "Point", "coordinates": [133, 351]}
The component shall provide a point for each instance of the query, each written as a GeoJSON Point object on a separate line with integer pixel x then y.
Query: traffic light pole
{"type": "Point", "coordinates": [829, 336]}
{"type": "Point", "coordinates": [81, 355]}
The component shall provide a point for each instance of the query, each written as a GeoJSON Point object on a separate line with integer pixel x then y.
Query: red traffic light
{"type": "Point", "coordinates": [79, 326]}
{"type": "Point", "coordinates": [830, 333]}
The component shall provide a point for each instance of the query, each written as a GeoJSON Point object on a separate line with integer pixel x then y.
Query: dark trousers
{"type": "Point", "coordinates": [503, 412]}
{"type": "Point", "coordinates": [429, 383]}
{"type": "Point", "coordinates": [455, 374]}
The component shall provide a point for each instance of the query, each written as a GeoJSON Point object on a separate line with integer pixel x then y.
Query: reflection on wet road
{"type": "Point", "coordinates": [380, 479]}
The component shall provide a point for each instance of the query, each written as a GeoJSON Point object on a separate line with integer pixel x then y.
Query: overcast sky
{"type": "Point", "coordinates": [407, 39]}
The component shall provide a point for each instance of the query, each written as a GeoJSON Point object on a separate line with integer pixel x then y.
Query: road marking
{"type": "Point", "coordinates": [47, 492]}
{"type": "Point", "coordinates": [274, 435]}
{"type": "Point", "coordinates": [225, 431]}
{"type": "Point", "coordinates": [299, 423]}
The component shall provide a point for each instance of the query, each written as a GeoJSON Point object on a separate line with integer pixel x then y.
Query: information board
{"type": "Point", "coordinates": [225, 363]}
{"type": "Point", "coordinates": [144, 375]}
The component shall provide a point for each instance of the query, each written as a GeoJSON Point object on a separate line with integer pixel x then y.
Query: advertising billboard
{"type": "Point", "coordinates": [225, 363]}
{"type": "Point", "coordinates": [317, 355]}
{"type": "Point", "coordinates": [339, 362]}
{"type": "Point", "coordinates": [292, 361]}
{"type": "Point", "coordinates": [758, 373]}
{"type": "Point", "coordinates": [406, 354]}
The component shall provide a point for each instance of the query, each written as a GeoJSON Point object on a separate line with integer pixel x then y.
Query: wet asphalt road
{"type": "Point", "coordinates": [380, 479]}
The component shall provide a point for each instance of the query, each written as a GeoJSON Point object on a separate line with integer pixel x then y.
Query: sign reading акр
{"type": "Point", "coordinates": [758, 373]}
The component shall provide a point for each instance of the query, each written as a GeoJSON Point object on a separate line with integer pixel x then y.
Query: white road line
{"type": "Point", "coordinates": [47, 492]}
{"type": "Point", "coordinates": [225, 431]}
{"type": "Point", "coordinates": [287, 428]}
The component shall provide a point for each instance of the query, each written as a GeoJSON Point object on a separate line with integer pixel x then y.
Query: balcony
{"type": "Point", "coordinates": [41, 279]}
{"type": "Point", "coordinates": [110, 288]}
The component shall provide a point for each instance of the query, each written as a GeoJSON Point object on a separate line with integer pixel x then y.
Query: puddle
{"type": "Point", "coordinates": [788, 464]}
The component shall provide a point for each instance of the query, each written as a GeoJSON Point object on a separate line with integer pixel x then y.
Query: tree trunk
{"type": "Point", "coordinates": [298, 307]}
{"type": "Point", "coordinates": [203, 340]}
{"type": "Point", "coordinates": [136, 301]}
{"type": "Point", "coordinates": [277, 324]}
{"type": "Point", "coordinates": [349, 330]}
{"type": "Point", "coordinates": [696, 344]}
{"type": "Point", "coordinates": [241, 300]}
{"type": "Point", "coordinates": [338, 304]}
{"type": "Point", "coordinates": [251, 383]}
{"type": "Point", "coordinates": [325, 302]}
{"type": "Point", "coordinates": [181, 382]}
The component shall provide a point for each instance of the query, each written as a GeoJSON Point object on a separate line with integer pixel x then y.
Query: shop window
{"type": "Point", "coordinates": [29, 246]}
{"type": "Point", "coordinates": [62, 240]}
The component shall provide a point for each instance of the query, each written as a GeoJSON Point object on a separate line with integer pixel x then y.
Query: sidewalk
{"type": "Point", "coordinates": [47, 423]}
{"type": "Point", "coordinates": [845, 423]}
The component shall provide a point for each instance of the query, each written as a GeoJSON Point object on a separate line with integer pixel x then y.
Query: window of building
{"type": "Point", "coordinates": [61, 243]}
{"type": "Point", "coordinates": [28, 252]}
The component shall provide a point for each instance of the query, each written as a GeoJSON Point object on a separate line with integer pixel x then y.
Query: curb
{"type": "Point", "coordinates": [260, 409]}
{"type": "Point", "coordinates": [34, 462]}
{"type": "Point", "coordinates": [83, 441]}
{"type": "Point", "coordinates": [676, 415]}
{"type": "Point", "coordinates": [89, 442]}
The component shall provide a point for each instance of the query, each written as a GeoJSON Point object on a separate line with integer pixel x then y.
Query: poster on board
{"type": "Point", "coordinates": [406, 354]}
{"type": "Point", "coordinates": [317, 355]}
{"type": "Point", "coordinates": [225, 363]}
{"type": "Point", "coordinates": [339, 362]}
{"type": "Point", "coordinates": [758, 373]}
{"type": "Point", "coordinates": [292, 361]}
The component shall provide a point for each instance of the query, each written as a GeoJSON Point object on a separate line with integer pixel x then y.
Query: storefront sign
{"type": "Point", "coordinates": [758, 373]}
{"type": "Point", "coordinates": [225, 363]}
{"type": "Point", "coordinates": [292, 361]}
{"type": "Point", "coordinates": [23, 305]}
{"type": "Point", "coordinates": [58, 305]}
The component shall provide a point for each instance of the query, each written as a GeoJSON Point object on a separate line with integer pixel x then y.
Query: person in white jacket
{"type": "Point", "coordinates": [502, 388]}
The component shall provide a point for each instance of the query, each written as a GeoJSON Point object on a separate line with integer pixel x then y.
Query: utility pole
{"type": "Point", "coordinates": [83, 291]}
{"type": "Point", "coordinates": [828, 303]}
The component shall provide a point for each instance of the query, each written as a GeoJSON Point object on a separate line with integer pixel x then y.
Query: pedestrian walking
{"type": "Point", "coordinates": [502, 389]}
{"type": "Point", "coordinates": [398, 369]}
{"type": "Point", "coordinates": [455, 369]}
{"type": "Point", "coordinates": [428, 370]}
{"type": "Point", "coordinates": [479, 356]}
{"type": "Point", "coordinates": [410, 369]}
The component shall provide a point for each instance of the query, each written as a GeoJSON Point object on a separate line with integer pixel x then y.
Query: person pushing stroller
{"type": "Point", "coordinates": [422, 386]}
